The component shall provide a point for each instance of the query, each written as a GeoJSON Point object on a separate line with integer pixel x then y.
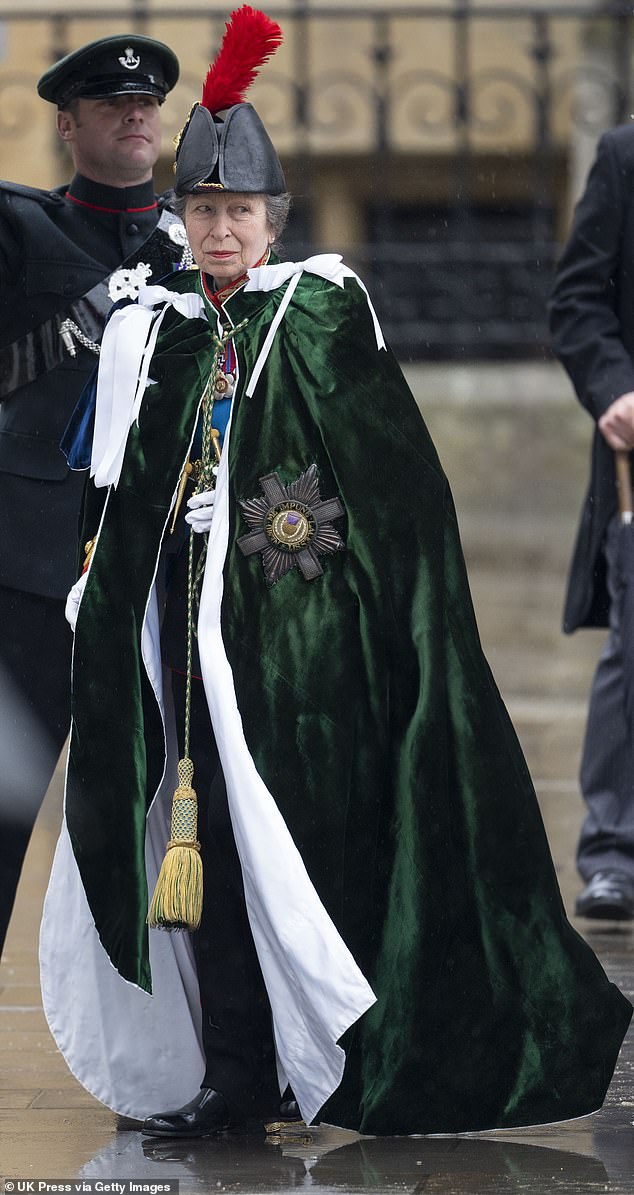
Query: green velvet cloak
{"type": "Point", "coordinates": [372, 717]}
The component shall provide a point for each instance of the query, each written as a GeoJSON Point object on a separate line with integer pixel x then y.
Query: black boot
{"type": "Point", "coordinates": [204, 1116]}
{"type": "Point", "coordinates": [289, 1114]}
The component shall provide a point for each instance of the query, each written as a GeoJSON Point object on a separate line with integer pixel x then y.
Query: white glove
{"type": "Point", "coordinates": [200, 510]}
{"type": "Point", "coordinates": [73, 600]}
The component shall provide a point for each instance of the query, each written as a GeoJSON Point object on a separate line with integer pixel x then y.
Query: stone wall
{"type": "Point", "coordinates": [515, 445]}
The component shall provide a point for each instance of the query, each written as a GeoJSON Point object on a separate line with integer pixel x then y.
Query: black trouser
{"type": "Point", "coordinates": [35, 654]}
{"type": "Point", "coordinates": [607, 772]}
{"type": "Point", "coordinates": [237, 1028]}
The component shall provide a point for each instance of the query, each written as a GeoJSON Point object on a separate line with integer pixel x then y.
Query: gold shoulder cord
{"type": "Point", "coordinates": [178, 895]}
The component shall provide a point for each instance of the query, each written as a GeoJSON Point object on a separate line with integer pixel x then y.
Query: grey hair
{"type": "Point", "coordinates": [277, 211]}
{"type": "Point", "coordinates": [277, 208]}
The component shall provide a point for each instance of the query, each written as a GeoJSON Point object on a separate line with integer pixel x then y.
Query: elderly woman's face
{"type": "Point", "coordinates": [228, 233]}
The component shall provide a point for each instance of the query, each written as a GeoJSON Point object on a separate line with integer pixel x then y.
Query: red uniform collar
{"type": "Point", "coordinates": [113, 200]}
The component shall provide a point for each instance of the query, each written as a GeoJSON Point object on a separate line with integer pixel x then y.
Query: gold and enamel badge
{"type": "Point", "coordinates": [291, 525]}
{"type": "Point", "coordinates": [224, 384]}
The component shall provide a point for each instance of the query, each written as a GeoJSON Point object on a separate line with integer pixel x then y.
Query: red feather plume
{"type": "Point", "coordinates": [249, 40]}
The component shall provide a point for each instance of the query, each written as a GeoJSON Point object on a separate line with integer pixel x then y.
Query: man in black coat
{"type": "Point", "coordinates": [592, 323]}
{"type": "Point", "coordinates": [65, 256]}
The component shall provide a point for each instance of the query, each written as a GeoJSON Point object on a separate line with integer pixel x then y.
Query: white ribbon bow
{"type": "Point", "coordinates": [325, 265]}
{"type": "Point", "coordinates": [128, 343]}
{"type": "Point", "coordinates": [130, 337]}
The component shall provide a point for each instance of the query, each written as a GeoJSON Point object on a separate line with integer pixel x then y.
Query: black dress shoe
{"type": "Point", "coordinates": [289, 1114]}
{"type": "Point", "coordinates": [608, 896]}
{"type": "Point", "coordinates": [204, 1116]}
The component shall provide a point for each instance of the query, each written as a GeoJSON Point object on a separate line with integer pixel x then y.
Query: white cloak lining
{"type": "Point", "coordinates": [315, 988]}
{"type": "Point", "coordinates": [138, 1053]}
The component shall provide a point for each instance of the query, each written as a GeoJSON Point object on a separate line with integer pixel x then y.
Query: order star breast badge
{"type": "Point", "coordinates": [291, 525]}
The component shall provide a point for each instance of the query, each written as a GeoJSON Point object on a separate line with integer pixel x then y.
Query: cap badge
{"type": "Point", "coordinates": [130, 61]}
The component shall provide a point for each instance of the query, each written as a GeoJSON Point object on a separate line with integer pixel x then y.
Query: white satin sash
{"type": "Point", "coordinates": [325, 265]}
{"type": "Point", "coordinates": [128, 343]}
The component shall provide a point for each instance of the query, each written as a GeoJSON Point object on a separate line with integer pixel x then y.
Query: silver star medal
{"type": "Point", "coordinates": [291, 526]}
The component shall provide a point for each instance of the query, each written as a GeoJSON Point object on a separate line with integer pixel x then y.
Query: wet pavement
{"type": "Point", "coordinates": [517, 528]}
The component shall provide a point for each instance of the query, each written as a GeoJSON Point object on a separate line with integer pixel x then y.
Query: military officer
{"type": "Point", "coordinates": [65, 256]}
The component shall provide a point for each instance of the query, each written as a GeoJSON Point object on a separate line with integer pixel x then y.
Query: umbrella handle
{"type": "Point", "coordinates": [624, 484]}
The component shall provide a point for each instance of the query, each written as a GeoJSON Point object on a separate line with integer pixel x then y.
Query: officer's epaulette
{"type": "Point", "coordinates": [36, 193]}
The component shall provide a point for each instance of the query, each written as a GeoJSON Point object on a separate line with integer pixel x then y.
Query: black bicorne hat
{"type": "Point", "coordinates": [122, 65]}
{"type": "Point", "coordinates": [224, 145]}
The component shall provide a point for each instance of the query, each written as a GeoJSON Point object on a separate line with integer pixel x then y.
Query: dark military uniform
{"type": "Point", "coordinates": [55, 248]}
{"type": "Point", "coordinates": [59, 251]}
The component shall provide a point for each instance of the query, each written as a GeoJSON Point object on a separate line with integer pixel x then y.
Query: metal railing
{"type": "Point", "coordinates": [479, 94]}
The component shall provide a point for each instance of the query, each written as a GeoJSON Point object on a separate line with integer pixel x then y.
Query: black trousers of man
{"type": "Point", "coordinates": [237, 1026]}
{"type": "Point", "coordinates": [607, 773]}
{"type": "Point", "coordinates": [35, 655]}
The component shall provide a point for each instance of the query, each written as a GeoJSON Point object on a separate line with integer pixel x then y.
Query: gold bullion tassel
{"type": "Point", "coordinates": [178, 897]}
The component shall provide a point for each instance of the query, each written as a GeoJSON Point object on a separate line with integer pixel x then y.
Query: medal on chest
{"type": "Point", "coordinates": [225, 377]}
